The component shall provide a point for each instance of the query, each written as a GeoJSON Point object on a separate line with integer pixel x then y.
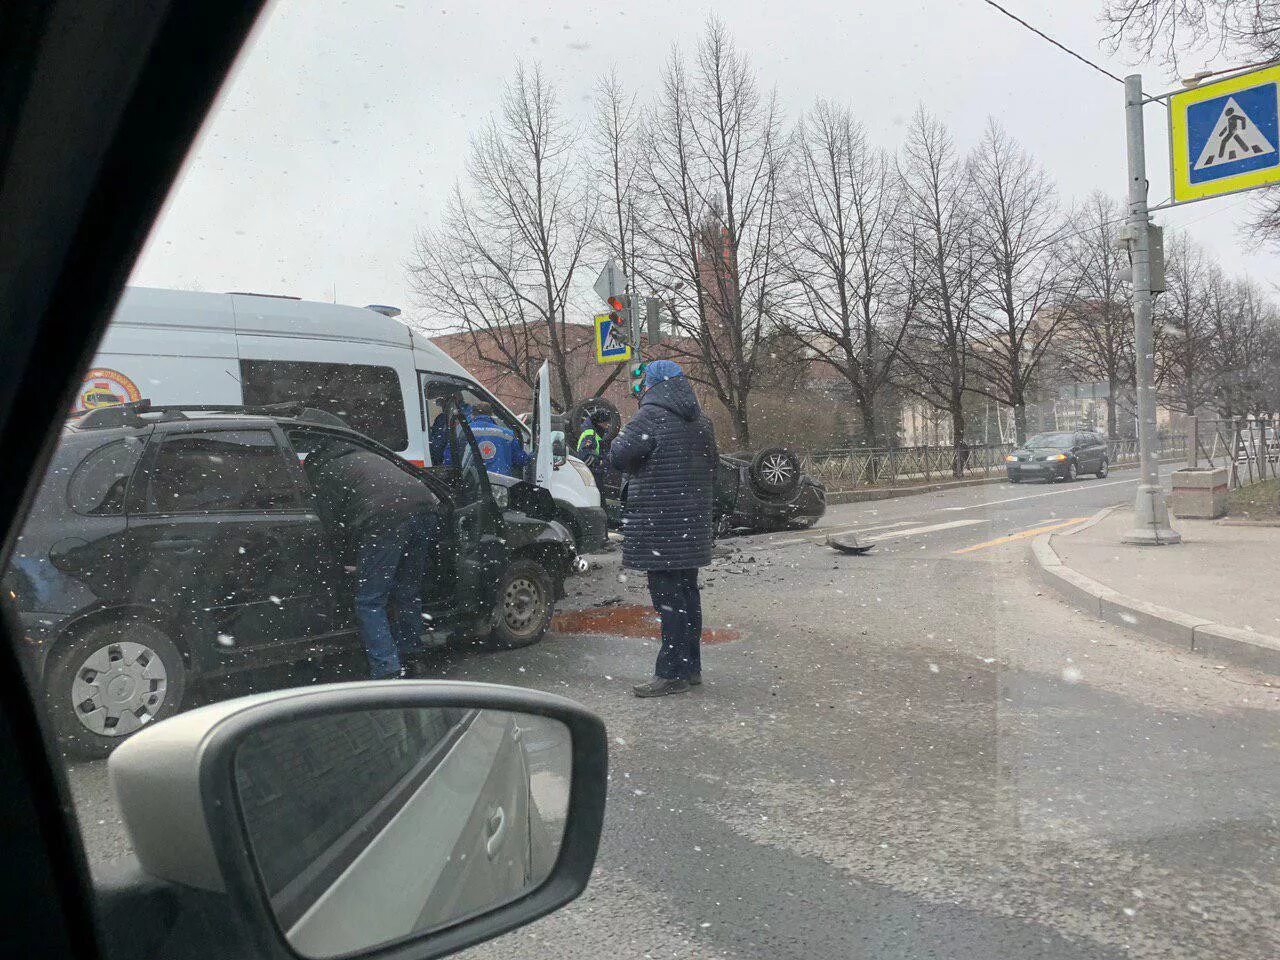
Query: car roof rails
{"type": "Point", "coordinates": [128, 414]}
{"type": "Point", "coordinates": [138, 413]}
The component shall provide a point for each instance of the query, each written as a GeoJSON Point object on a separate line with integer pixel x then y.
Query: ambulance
{"type": "Point", "coordinates": [362, 364]}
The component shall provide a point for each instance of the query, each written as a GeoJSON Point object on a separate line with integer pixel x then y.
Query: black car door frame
{"type": "Point", "coordinates": [273, 548]}
{"type": "Point", "coordinates": [477, 522]}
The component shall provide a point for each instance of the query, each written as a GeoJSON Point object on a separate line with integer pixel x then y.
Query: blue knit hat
{"type": "Point", "coordinates": [661, 370]}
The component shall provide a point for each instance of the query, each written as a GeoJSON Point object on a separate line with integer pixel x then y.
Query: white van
{"type": "Point", "coordinates": [366, 366]}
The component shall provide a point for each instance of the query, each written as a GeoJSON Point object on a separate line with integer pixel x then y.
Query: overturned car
{"type": "Point", "coordinates": [765, 491]}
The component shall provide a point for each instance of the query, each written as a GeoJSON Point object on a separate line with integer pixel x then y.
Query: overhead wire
{"type": "Point", "coordinates": [1040, 33]}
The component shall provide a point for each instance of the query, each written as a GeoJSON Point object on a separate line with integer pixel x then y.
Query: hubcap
{"type": "Point", "coordinates": [776, 469]}
{"type": "Point", "coordinates": [118, 688]}
{"type": "Point", "coordinates": [522, 605]}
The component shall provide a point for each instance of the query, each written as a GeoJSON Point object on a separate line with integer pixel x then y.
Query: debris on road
{"type": "Point", "coordinates": [848, 543]}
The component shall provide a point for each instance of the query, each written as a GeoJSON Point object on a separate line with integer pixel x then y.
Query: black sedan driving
{"type": "Point", "coordinates": [1059, 456]}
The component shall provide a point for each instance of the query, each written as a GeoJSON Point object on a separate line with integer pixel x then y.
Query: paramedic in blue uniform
{"type": "Point", "coordinates": [499, 446]}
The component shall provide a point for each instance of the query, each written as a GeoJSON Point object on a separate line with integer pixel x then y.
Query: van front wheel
{"type": "Point", "coordinates": [526, 601]}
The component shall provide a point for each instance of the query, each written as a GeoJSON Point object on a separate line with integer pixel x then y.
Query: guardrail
{"type": "Point", "coordinates": [855, 468]}
{"type": "Point", "coordinates": [1249, 448]}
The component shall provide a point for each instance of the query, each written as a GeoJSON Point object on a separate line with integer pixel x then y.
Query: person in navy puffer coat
{"type": "Point", "coordinates": [668, 452]}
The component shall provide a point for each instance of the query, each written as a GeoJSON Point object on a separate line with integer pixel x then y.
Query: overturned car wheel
{"type": "Point", "coordinates": [591, 408]}
{"type": "Point", "coordinates": [775, 471]}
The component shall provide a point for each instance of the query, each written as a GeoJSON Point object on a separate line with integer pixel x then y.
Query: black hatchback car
{"type": "Point", "coordinates": [1059, 456]}
{"type": "Point", "coordinates": [168, 545]}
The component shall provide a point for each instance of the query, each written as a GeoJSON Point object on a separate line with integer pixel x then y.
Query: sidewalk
{"type": "Point", "coordinates": [1217, 593]}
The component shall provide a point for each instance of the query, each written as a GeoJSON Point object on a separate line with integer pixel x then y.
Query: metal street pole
{"type": "Point", "coordinates": [633, 322]}
{"type": "Point", "coordinates": [1150, 513]}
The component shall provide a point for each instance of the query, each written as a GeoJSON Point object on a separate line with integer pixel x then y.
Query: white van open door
{"type": "Point", "coordinates": [542, 428]}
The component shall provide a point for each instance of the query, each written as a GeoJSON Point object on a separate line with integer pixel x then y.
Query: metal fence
{"type": "Point", "coordinates": [856, 468]}
{"type": "Point", "coordinates": [1249, 448]}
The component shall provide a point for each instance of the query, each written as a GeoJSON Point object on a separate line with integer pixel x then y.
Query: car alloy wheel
{"type": "Point", "coordinates": [119, 688]}
{"type": "Point", "coordinates": [777, 470]}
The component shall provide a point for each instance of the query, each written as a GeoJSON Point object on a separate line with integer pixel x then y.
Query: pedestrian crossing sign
{"type": "Point", "coordinates": [1225, 137]}
{"type": "Point", "coordinates": [611, 343]}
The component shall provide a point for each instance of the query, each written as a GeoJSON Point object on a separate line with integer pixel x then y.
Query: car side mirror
{"type": "Point", "coordinates": [382, 818]}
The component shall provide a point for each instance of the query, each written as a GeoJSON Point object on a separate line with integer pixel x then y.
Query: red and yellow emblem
{"type": "Point", "coordinates": [103, 387]}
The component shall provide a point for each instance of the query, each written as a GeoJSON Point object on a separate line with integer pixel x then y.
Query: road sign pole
{"type": "Point", "coordinates": [1151, 513]}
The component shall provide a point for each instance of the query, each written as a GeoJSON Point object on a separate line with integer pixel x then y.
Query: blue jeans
{"type": "Point", "coordinates": [679, 603]}
{"type": "Point", "coordinates": [391, 564]}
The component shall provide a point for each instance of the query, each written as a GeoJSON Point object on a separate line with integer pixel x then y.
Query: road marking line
{"type": "Point", "coordinates": [823, 533]}
{"type": "Point", "coordinates": [1022, 535]}
{"type": "Point", "coordinates": [891, 535]}
{"type": "Point", "coordinates": [932, 528]}
{"type": "Point", "coordinates": [1036, 496]}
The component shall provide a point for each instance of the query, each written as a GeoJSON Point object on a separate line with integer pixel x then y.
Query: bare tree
{"type": "Point", "coordinates": [1024, 281]}
{"type": "Point", "coordinates": [501, 265]}
{"type": "Point", "coordinates": [712, 224]}
{"type": "Point", "coordinates": [1097, 346]}
{"type": "Point", "coordinates": [1181, 329]}
{"type": "Point", "coordinates": [846, 259]}
{"type": "Point", "coordinates": [1240, 320]}
{"type": "Point", "coordinates": [1170, 28]}
{"type": "Point", "coordinates": [938, 214]}
{"type": "Point", "coordinates": [1178, 29]}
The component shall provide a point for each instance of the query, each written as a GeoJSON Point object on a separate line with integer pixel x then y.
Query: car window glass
{"type": "Point", "coordinates": [367, 398]}
{"type": "Point", "coordinates": [98, 486]}
{"type": "Point", "coordinates": [228, 470]}
{"type": "Point", "coordinates": [469, 396]}
{"type": "Point", "coordinates": [1051, 440]}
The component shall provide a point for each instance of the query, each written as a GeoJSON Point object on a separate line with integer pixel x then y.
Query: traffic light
{"type": "Point", "coordinates": [637, 379]}
{"type": "Point", "coordinates": [617, 312]}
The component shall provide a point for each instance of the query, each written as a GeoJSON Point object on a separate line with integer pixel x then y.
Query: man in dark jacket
{"type": "Point", "coordinates": [668, 452]}
{"type": "Point", "coordinates": [385, 519]}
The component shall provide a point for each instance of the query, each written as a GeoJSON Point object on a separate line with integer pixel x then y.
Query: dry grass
{"type": "Point", "coordinates": [1258, 501]}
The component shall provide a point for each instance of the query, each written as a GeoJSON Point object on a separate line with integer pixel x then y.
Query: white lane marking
{"type": "Point", "coordinates": [932, 528]}
{"type": "Point", "coordinates": [1036, 496]}
{"type": "Point", "coordinates": [823, 532]}
{"type": "Point", "coordinates": [891, 535]}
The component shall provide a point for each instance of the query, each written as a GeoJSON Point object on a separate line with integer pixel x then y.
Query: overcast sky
{"type": "Point", "coordinates": [346, 123]}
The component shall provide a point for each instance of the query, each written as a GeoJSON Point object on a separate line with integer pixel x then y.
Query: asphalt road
{"type": "Point", "coordinates": [912, 754]}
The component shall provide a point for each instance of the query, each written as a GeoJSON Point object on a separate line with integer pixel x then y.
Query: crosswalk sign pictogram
{"type": "Point", "coordinates": [611, 343]}
{"type": "Point", "coordinates": [1225, 137]}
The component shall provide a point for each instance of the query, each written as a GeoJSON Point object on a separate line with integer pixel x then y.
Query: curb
{"type": "Point", "coordinates": [1244, 648]}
